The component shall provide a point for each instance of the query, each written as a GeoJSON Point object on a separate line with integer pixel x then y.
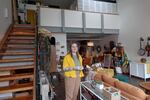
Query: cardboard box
{"type": "Point", "coordinates": [112, 93]}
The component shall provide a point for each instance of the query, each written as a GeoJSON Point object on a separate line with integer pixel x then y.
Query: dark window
{"type": "Point", "coordinates": [111, 1]}
{"type": "Point", "coordinates": [31, 2]}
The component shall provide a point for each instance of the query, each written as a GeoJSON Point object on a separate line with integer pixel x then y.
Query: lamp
{"type": "Point", "coordinates": [90, 44]}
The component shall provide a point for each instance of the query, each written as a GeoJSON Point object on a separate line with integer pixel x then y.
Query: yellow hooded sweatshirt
{"type": "Point", "coordinates": [69, 62]}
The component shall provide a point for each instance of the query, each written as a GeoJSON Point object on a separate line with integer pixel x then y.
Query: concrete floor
{"type": "Point", "coordinates": [60, 87]}
{"type": "Point", "coordinates": [136, 81]}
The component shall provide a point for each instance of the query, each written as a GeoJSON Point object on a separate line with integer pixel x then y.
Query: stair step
{"type": "Point", "coordinates": [19, 48]}
{"type": "Point", "coordinates": [22, 34]}
{"type": "Point", "coordinates": [22, 98]}
{"type": "Point", "coordinates": [20, 38]}
{"type": "Point", "coordinates": [16, 53]}
{"type": "Point", "coordinates": [16, 76]}
{"type": "Point", "coordinates": [23, 30]}
{"type": "Point", "coordinates": [26, 26]}
{"type": "Point", "coordinates": [16, 60]}
{"type": "Point", "coordinates": [9, 68]}
{"type": "Point", "coordinates": [30, 97]}
{"type": "Point", "coordinates": [17, 88]}
{"type": "Point", "coordinates": [21, 42]}
{"type": "Point", "coordinates": [17, 57]}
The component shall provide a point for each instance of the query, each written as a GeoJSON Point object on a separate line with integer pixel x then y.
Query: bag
{"type": "Point", "coordinates": [118, 70]}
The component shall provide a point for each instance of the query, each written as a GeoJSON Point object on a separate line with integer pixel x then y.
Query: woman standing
{"type": "Point", "coordinates": [72, 65]}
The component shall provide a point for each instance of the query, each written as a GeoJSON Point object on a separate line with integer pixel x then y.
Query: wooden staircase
{"type": "Point", "coordinates": [17, 63]}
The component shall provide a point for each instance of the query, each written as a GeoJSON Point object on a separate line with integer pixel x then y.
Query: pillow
{"type": "Point", "coordinates": [98, 77]}
{"type": "Point", "coordinates": [109, 80]}
{"type": "Point", "coordinates": [129, 96]}
{"type": "Point", "coordinates": [130, 89]}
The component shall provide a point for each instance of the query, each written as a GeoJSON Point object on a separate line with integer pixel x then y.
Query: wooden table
{"type": "Point", "coordinates": [145, 86]}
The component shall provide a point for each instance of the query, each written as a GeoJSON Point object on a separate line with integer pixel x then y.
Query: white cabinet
{"type": "Point", "coordinates": [140, 70]}
{"type": "Point", "coordinates": [73, 19]}
{"type": "Point", "coordinates": [93, 20]}
{"type": "Point", "coordinates": [133, 69]}
{"type": "Point", "coordinates": [111, 21]}
{"type": "Point", "coordinates": [50, 17]}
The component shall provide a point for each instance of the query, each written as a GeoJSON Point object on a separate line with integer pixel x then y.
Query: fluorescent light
{"type": "Point", "coordinates": [90, 44]}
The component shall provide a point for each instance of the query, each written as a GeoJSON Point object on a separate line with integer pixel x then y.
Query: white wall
{"type": "Point", "coordinates": [5, 5]}
{"type": "Point", "coordinates": [61, 46]}
{"type": "Point", "coordinates": [52, 17]}
{"type": "Point", "coordinates": [135, 23]}
{"type": "Point", "coordinates": [61, 38]}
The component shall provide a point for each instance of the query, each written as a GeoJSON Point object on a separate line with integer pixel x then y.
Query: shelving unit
{"type": "Point", "coordinates": [96, 92]}
{"type": "Point", "coordinates": [139, 70]}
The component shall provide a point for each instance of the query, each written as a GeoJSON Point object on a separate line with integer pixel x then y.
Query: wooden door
{"type": "Point", "coordinates": [31, 17]}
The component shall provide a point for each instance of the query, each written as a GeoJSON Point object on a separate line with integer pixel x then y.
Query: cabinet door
{"type": "Point", "coordinates": [111, 21]}
{"type": "Point", "coordinates": [133, 69]}
{"type": "Point", "coordinates": [50, 17]}
{"type": "Point", "coordinates": [92, 20]}
{"type": "Point", "coordinates": [141, 71]}
{"type": "Point", "coordinates": [73, 19]}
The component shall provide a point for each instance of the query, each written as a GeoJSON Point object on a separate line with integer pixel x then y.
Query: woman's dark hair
{"type": "Point", "coordinates": [70, 52]}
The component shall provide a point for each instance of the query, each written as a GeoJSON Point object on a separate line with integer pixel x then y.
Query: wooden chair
{"type": "Point", "coordinates": [145, 86]}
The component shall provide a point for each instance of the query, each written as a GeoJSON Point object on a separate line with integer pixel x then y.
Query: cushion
{"type": "Point", "coordinates": [109, 72]}
{"type": "Point", "coordinates": [128, 96]}
{"type": "Point", "coordinates": [130, 89]}
{"type": "Point", "coordinates": [98, 77]}
{"type": "Point", "coordinates": [109, 80]}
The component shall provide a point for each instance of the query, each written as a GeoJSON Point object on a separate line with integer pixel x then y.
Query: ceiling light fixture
{"type": "Point", "coordinates": [90, 44]}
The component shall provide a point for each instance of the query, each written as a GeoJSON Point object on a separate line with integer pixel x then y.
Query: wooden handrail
{"type": "Point", "coordinates": [35, 65]}
{"type": "Point", "coordinates": [34, 75]}
{"type": "Point", "coordinates": [4, 39]}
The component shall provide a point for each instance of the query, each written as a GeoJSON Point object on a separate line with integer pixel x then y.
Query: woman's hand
{"type": "Point", "coordinates": [78, 68]}
{"type": "Point", "coordinates": [69, 69]}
